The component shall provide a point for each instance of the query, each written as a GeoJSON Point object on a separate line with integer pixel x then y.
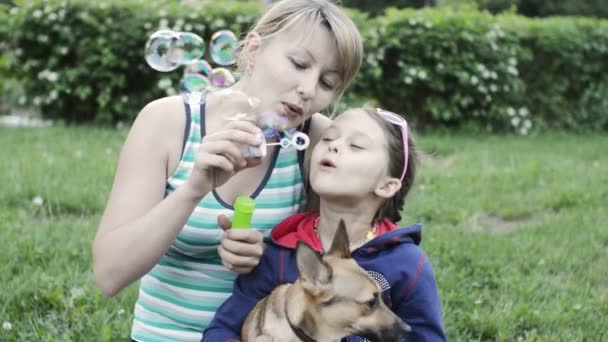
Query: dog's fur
{"type": "Point", "coordinates": [333, 298]}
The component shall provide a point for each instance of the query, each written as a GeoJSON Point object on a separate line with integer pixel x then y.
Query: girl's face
{"type": "Point", "coordinates": [351, 160]}
{"type": "Point", "coordinates": [294, 72]}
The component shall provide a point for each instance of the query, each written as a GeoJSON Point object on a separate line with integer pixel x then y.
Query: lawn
{"type": "Point", "coordinates": [515, 228]}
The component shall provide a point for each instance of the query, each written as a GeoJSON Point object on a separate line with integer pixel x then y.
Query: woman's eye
{"type": "Point", "coordinates": [357, 146]}
{"type": "Point", "coordinates": [298, 65]}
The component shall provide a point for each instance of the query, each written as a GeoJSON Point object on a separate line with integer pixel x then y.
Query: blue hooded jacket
{"type": "Point", "coordinates": [392, 258]}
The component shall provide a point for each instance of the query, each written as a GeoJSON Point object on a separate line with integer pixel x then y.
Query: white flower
{"type": "Point", "coordinates": [179, 22]}
{"type": "Point", "coordinates": [422, 74]}
{"type": "Point", "coordinates": [52, 17]}
{"type": "Point", "coordinates": [164, 83]}
{"type": "Point", "coordinates": [14, 11]}
{"type": "Point", "coordinates": [512, 61]}
{"type": "Point", "coordinates": [478, 301]}
{"type": "Point", "coordinates": [7, 326]}
{"type": "Point", "coordinates": [482, 89]}
{"type": "Point", "coordinates": [493, 88]}
{"type": "Point", "coordinates": [510, 111]}
{"type": "Point", "coordinates": [474, 80]}
{"type": "Point", "coordinates": [53, 95]}
{"type": "Point", "coordinates": [78, 154]}
{"type": "Point", "coordinates": [43, 38]}
{"type": "Point", "coordinates": [63, 50]}
{"type": "Point", "coordinates": [515, 121]}
{"type": "Point", "coordinates": [124, 99]}
{"type": "Point", "coordinates": [412, 22]}
{"type": "Point", "coordinates": [485, 74]}
{"type": "Point", "coordinates": [170, 91]}
{"type": "Point", "coordinates": [523, 111]}
{"type": "Point", "coordinates": [408, 80]}
{"type": "Point", "coordinates": [440, 66]}
{"type": "Point", "coordinates": [37, 201]}
{"type": "Point", "coordinates": [412, 72]}
{"type": "Point", "coordinates": [193, 15]}
{"type": "Point", "coordinates": [22, 99]}
{"type": "Point", "coordinates": [577, 307]}
{"type": "Point", "coordinates": [148, 26]}
{"type": "Point", "coordinates": [488, 98]}
{"type": "Point", "coordinates": [162, 13]}
{"type": "Point", "coordinates": [37, 101]}
{"type": "Point", "coordinates": [527, 124]}
{"type": "Point", "coordinates": [121, 311]}
{"type": "Point", "coordinates": [428, 24]}
{"type": "Point", "coordinates": [164, 23]}
{"type": "Point", "coordinates": [512, 70]}
{"type": "Point", "coordinates": [188, 27]}
{"type": "Point", "coordinates": [37, 14]}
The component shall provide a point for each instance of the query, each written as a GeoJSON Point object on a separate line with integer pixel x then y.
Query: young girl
{"type": "Point", "coordinates": [183, 165]}
{"type": "Point", "coordinates": [362, 169]}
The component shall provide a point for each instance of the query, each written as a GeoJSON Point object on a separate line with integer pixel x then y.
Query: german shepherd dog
{"type": "Point", "coordinates": [332, 298]}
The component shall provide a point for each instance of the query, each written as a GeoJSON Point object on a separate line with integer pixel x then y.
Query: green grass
{"type": "Point", "coordinates": [515, 228]}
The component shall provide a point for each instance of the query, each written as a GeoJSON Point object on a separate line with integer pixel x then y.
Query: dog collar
{"type": "Point", "coordinates": [302, 336]}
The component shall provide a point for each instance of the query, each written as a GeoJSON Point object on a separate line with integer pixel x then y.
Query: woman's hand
{"type": "Point", "coordinates": [240, 249]}
{"type": "Point", "coordinates": [222, 154]}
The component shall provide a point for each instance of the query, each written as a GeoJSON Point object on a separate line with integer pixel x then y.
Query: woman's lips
{"type": "Point", "coordinates": [292, 111]}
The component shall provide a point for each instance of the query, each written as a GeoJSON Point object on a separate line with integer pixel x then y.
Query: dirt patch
{"type": "Point", "coordinates": [495, 224]}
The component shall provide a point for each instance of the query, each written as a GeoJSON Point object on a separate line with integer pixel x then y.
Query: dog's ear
{"type": "Point", "coordinates": [340, 247]}
{"type": "Point", "coordinates": [314, 272]}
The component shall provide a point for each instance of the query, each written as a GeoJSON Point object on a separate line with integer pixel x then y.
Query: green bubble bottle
{"type": "Point", "coordinates": [243, 210]}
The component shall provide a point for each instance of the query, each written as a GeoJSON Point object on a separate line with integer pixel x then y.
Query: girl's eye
{"type": "Point", "coordinates": [356, 147]}
{"type": "Point", "coordinates": [327, 85]}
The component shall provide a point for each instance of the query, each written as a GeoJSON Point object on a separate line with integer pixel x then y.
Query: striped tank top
{"type": "Point", "coordinates": [179, 296]}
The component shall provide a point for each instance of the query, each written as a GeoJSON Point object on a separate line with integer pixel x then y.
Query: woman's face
{"type": "Point", "coordinates": [294, 72]}
{"type": "Point", "coordinates": [351, 160]}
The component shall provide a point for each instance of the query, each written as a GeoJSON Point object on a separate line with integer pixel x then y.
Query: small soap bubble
{"type": "Point", "coordinates": [200, 66]}
{"type": "Point", "coordinates": [158, 51]}
{"type": "Point", "coordinates": [222, 47]}
{"type": "Point", "coordinates": [273, 121]}
{"type": "Point", "coordinates": [222, 78]}
{"type": "Point", "coordinates": [189, 47]}
{"type": "Point", "coordinates": [195, 82]}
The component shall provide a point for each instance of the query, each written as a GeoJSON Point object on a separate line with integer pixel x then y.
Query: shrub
{"type": "Point", "coordinates": [83, 61]}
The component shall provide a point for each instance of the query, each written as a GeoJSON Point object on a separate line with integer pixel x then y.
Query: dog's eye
{"type": "Point", "coordinates": [373, 303]}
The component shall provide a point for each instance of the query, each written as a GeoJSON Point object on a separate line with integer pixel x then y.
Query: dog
{"type": "Point", "coordinates": [332, 298]}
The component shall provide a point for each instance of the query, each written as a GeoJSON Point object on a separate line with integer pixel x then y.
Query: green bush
{"type": "Point", "coordinates": [83, 61]}
{"type": "Point", "coordinates": [566, 77]}
{"type": "Point", "coordinates": [447, 67]}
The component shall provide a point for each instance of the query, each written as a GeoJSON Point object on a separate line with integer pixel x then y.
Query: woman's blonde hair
{"type": "Point", "coordinates": [347, 38]}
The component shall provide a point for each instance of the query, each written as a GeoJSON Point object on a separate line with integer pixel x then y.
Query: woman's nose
{"type": "Point", "coordinates": [307, 85]}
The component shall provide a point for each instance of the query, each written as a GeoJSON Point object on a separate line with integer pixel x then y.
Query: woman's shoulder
{"type": "Point", "coordinates": [162, 119]}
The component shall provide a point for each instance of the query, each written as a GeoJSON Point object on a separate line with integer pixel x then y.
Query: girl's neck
{"type": "Point", "coordinates": [358, 221]}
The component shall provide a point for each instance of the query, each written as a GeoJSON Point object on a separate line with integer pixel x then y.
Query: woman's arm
{"type": "Point", "coordinates": [139, 223]}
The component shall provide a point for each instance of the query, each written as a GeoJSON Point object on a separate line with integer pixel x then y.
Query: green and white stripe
{"type": "Point", "coordinates": [178, 297]}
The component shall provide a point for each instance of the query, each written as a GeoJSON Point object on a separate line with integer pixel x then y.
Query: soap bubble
{"type": "Point", "coordinates": [222, 77]}
{"type": "Point", "coordinates": [188, 48]}
{"type": "Point", "coordinates": [195, 82]}
{"type": "Point", "coordinates": [159, 51]}
{"type": "Point", "coordinates": [200, 66]}
{"type": "Point", "coordinates": [222, 47]}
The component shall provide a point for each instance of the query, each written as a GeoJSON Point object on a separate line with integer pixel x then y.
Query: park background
{"type": "Point", "coordinates": [508, 100]}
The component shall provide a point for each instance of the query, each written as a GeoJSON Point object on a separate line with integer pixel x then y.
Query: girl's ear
{"type": "Point", "coordinates": [388, 187]}
{"type": "Point", "coordinates": [253, 43]}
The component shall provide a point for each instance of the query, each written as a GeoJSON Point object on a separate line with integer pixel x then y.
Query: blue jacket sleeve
{"type": "Point", "coordinates": [248, 290]}
{"type": "Point", "coordinates": [419, 306]}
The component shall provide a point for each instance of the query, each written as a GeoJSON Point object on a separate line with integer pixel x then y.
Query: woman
{"type": "Point", "coordinates": [181, 168]}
